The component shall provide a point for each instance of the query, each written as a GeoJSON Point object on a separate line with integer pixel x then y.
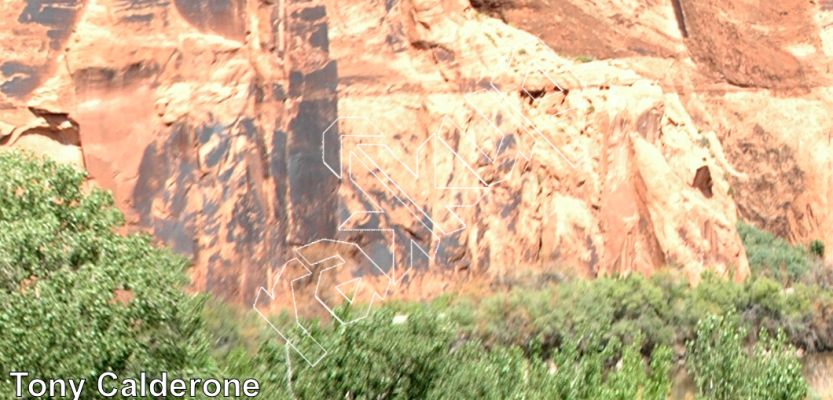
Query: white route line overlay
{"type": "Point", "coordinates": [270, 293]}
{"type": "Point", "coordinates": [497, 97]}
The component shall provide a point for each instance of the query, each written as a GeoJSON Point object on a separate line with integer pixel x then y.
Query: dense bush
{"type": "Point", "coordinates": [78, 299]}
{"type": "Point", "coordinates": [817, 248]}
{"type": "Point", "coordinates": [428, 357]}
{"type": "Point", "coordinates": [592, 334]}
{"type": "Point", "coordinates": [422, 358]}
{"type": "Point", "coordinates": [770, 256]}
{"type": "Point", "coordinates": [725, 369]}
{"type": "Point", "coordinates": [662, 310]}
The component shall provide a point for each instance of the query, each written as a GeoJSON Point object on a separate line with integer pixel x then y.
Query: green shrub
{"type": "Point", "coordinates": [369, 359]}
{"type": "Point", "coordinates": [77, 298]}
{"type": "Point", "coordinates": [501, 350]}
{"type": "Point", "coordinates": [724, 369]}
{"type": "Point", "coordinates": [621, 307]}
{"type": "Point", "coordinates": [773, 257]}
{"type": "Point", "coordinates": [474, 373]}
{"type": "Point", "coordinates": [422, 359]}
{"type": "Point", "coordinates": [597, 331]}
{"type": "Point", "coordinates": [714, 295]}
{"type": "Point", "coordinates": [582, 371]}
{"type": "Point", "coordinates": [817, 248]}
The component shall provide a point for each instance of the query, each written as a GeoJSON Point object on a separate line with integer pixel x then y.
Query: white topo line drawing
{"type": "Point", "coordinates": [299, 268]}
{"type": "Point", "coordinates": [362, 160]}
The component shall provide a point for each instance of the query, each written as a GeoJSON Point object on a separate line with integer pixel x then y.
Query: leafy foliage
{"type": "Point", "coordinates": [817, 248]}
{"type": "Point", "coordinates": [618, 307]}
{"type": "Point", "coordinates": [578, 340]}
{"type": "Point", "coordinates": [724, 369]}
{"type": "Point", "coordinates": [77, 298]}
{"type": "Point", "coordinates": [773, 257]}
{"type": "Point", "coordinates": [422, 358]}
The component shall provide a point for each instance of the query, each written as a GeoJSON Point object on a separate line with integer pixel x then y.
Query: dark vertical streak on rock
{"type": "Point", "coordinates": [678, 13]}
{"type": "Point", "coordinates": [319, 38]}
{"type": "Point", "coordinates": [252, 194]}
{"type": "Point", "coordinates": [312, 188]}
{"type": "Point", "coordinates": [322, 83]}
{"type": "Point", "coordinates": [179, 146]}
{"type": "Point", "coordinates": [312, 194]}
{"type": "Point", "coordinates": [224, 17]}
{"type": "Point", "coordinates": [174, 160]}
{"type": "Point", "coordinates": [277, 168]}
{"type": "Point", "coordinates": [153, 171]}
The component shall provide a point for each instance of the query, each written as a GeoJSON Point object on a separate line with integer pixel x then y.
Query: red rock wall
{"type": "Point", "coordinates": [206, 120]}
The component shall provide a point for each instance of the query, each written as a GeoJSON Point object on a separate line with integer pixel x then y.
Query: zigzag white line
{"type": "Point", "coordinates": [414, 246]}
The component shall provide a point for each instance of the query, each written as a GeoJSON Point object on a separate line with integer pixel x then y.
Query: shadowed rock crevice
{"type": "Point", "coordinates": [493, 8]}
{"type": "Point", "coordinates": [703, 181]}
{"type": "Point", "coordinates": [678, 13]}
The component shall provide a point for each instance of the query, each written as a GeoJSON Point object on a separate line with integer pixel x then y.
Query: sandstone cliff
{"type": "Point", "coordinates": [211, 122]}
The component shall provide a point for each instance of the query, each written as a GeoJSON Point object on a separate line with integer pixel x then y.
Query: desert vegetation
{"type": "Point", "coordinates": [613, 337]}
{"type": "Point", "coordinates": [78, 299]}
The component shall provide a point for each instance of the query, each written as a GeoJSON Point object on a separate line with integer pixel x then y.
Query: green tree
{"type": "Point", "coordinates": [583, 372]}
{"type": "Point", "coordinates": [775, 371]}
{"type": "Point", "coordinates": [724, 369]}
{"type": "Point", "coordinates": [76, 297]}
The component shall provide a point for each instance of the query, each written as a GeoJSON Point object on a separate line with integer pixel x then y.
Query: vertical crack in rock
{"type": "Point", "coordinates": [678, 13]}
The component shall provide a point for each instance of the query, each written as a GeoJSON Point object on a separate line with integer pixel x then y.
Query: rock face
{"type": "Point", "coordinates": [628, 206]}
{"type": "Point", "coordinates": [221, 127]}
{"type": "Point", "coordinates": [757, 75]}
{"type": "Point", "coordinates": [203, 118]}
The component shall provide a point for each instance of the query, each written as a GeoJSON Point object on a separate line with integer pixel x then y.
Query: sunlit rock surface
{"type": "Point", "coordinates": [206, 120]}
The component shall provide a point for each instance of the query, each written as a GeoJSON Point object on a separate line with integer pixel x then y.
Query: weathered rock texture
{"type": "Point", "coordinates": [755, 74]}
{"type": "Point", "coordinates": [206, 120]}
